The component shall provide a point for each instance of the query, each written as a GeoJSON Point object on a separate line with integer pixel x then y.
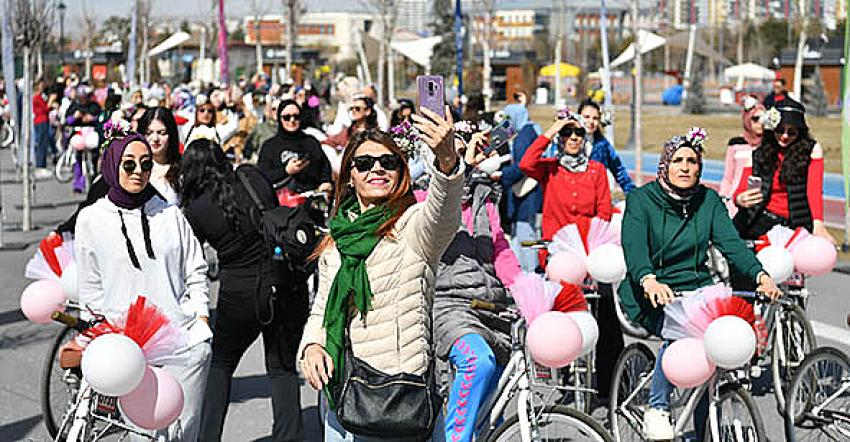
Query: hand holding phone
{"type": "Point", "coordinates": [754, 182]}
{"type": "Point", "coordinates": [430, 94]}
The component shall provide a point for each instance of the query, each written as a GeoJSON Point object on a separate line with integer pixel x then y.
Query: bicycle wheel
{"type": "Point", "coordinates": [738, 418]}
{"type": "Point", "coordinates": [790, 347]}
{"type": "Point", "coordinates": [58, 388]}
{"type": "Point", "coordinates": [819, 398]}
{"type": "Point", "coordinates": [554, 423]}
{"type": "Point", "coordinates": [64, 170]}
{"type": "Point", "coordinates": [630, 392]}
{"type": "Point", "coordinates": [7, 135]}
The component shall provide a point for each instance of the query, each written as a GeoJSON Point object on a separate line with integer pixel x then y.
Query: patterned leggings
{"type": "Point", "coordinates": [476, 374]}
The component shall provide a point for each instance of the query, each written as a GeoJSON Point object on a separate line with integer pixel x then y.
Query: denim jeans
{"type": "Point", "coordinates": [42, 144]}
{"type": "Point", "coordinates": [525, 231]}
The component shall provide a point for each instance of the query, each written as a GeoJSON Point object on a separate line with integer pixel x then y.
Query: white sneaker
{"type": "Point", "coordinates": [656, 425]}
{"type": "Point", "coordinates": [42, 174]}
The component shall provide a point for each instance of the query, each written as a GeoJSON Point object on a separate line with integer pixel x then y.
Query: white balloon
{"type": "Point", "coordinates": [730, 341]}
{"type": "Point", "coordinates": [606, 264]}
{"type": "Point", "coordinates": [589, 330]}
{"type": "Point", "coordinates": [92, 140]}
{"type": "Point", "coordinates": [777, 261]}
{"type": "Point", "coordinates": [113, 364]}
{"type": "Point", "coordinates": [68, 281]}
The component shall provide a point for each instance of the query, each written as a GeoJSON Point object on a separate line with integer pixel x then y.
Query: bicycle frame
{"type": "Point", "coordinates": [84, 417]}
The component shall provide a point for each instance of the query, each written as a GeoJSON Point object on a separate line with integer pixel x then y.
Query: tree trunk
{"type": "Point", "coordinates": [131, 49]}
{"type": "Point", "coordinates": [26, 143]}
{"type": "Point", "coordinates": [801, 46]}
{"type": "Point", "coordinates": [258, 44]}
{"type": "Point", "coordinates": [487, 71]}
{"type": "Point", "coordinates": [638, 94]}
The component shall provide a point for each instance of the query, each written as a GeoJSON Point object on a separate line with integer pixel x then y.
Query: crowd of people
{"type": "Point", "coordinates": [413, 234]}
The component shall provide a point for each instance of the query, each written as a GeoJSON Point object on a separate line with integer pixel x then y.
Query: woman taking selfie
{"type": "Point", "coordinates": [376, 269]}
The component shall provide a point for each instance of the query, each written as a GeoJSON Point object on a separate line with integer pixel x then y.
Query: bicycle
{"type": "Point", "coordinates": [818, 402]}
{"type": "Point", "coordinates": [790, 336]}
{"type": "Point", "coordinates": [72, 410]}
{"type": "Point", "coordinates": [534, 420]}
{"type": "Point", "coordinates": [732, 415]}
{"type": "Point", "coordinates": [64, 170]}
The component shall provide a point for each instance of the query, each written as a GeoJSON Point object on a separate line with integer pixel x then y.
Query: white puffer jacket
{"type": "Point", "coordinates": [395, 336]}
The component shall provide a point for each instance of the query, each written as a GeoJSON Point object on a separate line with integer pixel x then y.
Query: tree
{"type": "Point", "coordinates": [387, 11]}
{"type": "Point", "coordinates": [815, 96]}
{"type": "Point", "coordinates": [774, 35]}
{"type": "Point", "coordinates": [443, 57]}
{"type": "Point", "coordinates": [114, 29]}
{"type": "Point", "coordinates": [696, 95]}
{"type": "Point", "coordinates": [293, 10]}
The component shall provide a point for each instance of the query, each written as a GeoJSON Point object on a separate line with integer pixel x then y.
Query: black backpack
{"type": "Point", "coordinates": [289, 232]}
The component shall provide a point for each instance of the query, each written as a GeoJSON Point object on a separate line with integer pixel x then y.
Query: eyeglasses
{"type": "Point", "coordinates": [290, 117]}
{"type": "Point", "coordinates": [205, 110]}
{"type": "Point", "coordinates": [568, 131]}
{"type": "Point", "coordinates": [755, 118]}
{"type": "Point", "coordinates": [364, 163]}
{"type": "Point", "coordinates": [789, 131]}
{"type": "Point", "coordinates": [356, 109]}
{"type": "Point", "coordinates": [129, 166]}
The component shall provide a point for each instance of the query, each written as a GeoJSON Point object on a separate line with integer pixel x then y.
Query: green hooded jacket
{"type": "Point", "coordinates": [670, 239]}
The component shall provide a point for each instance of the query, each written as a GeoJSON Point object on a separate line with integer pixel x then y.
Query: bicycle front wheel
{"type": "Point", "coordinates": [738, 418]}
{"type": "Point", "coordinates": [64, 170]}
{"type": "Point", "coordinates": [818, 406]}
{"type": "Point", "coordinates": [790, 347]}
{"type": "Point", "coordinates": [58, 388]}
{"type": "Point", "coordinates": [554, 423]}
{"type": "Point", "coordinates": [630, 392]}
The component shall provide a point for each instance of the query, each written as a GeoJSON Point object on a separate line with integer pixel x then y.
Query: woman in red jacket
{"type": "Point", "coordinates": [574, 186]}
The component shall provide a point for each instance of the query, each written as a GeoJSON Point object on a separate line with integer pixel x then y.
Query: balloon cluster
{"type": "Point", "coordinates": [55, 274]}
{"type": "Point", "coordinates": [589, 246]}
{"type": "Point", "coordinates": [785, 250]}
{"type": "Point", "coordinates": [711, 328]}
{"type": "Point", "coordinates": [84, 138]}
{"type": "Point", "coordinates": [119, 362]}
{"type": "Point", "coordinates": [554, 338]}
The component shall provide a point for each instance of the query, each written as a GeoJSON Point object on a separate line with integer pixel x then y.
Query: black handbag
{"type": "Point", "coordinates": [370, 402]}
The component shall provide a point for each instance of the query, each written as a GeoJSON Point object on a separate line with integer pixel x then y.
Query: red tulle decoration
{"type": "Point", "coordinates": [570, 299]}
{"type": "Point", "coordinates": [143, 321]}
{"type": "Point", "coordinates": [731, 306]}
{"type": "Point", "coordinates": [690, 315]}
{"type": "Point", "coordinates": [47, 246]}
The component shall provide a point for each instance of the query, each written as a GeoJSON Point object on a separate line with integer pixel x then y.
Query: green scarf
{"type": "Point", "coordinates": [355, 241]}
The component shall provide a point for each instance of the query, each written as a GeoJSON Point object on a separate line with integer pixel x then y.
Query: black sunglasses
{"type": "Point", "coordinates": [790, 131]}
{"type": "Point", "coordinates": [290, 117]}
{"type": "Point", "coordinates": [356, 109]}
{"type": "Point", "coordinates": [568, 131]}
{"type": "Point", "coordinates": [129, 166]}
{"type": "Point", "coordinates": [364, 163]}
{"type": "Point", "coordinates": [755, 118]}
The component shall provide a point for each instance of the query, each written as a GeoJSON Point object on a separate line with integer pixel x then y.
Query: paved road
{"type": "Point", "coordinates": [23, 345]}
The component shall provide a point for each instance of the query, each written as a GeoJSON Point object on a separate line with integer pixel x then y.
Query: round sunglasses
{"type": "Point", "coordinates": [129, 166]}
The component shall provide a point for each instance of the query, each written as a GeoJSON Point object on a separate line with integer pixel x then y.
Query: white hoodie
{"type": "Point", "coordinates": [175, 280]}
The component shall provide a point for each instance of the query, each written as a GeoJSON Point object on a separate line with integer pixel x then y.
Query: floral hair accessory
{"type": "Point", "coordinates": [697, 136]}
{"type": "Point", "coordinates": [202, 133]}
{"type": "Point", "coordinates": [771, 118]}
{"type": "Point", "coordinates": [464, 127]}
{"type": "Point", "coordinates": [750, 102]}
{"type": "Point", "coordinates": [406, 136]}
{"type": "Point", "coordinates": [607, 118]}
{"type": "Point", "coordinates": [113, 129]}
{"type": "Point", "coordinates": [567, 114]}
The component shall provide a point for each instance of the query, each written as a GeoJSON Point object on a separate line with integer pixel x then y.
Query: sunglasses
{"type": "Point", "coordinates": [129, 166]}
{"type": "Point", "coordinates": [789, 131]}
{"type": "Point", "coordinates": [755, 118]}
{"type": "Point", "coordinates": [567, 132]}
{"type": "Point", "coordinates": [290, 117]}
{"type": "Point", "coordinates": [356, 109]}
{"type": "Point", "coordinates": [205, 110]}
{"type": "Point", "coordinates": [364, 163]}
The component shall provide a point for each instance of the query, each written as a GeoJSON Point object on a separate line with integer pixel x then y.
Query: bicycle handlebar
{"type": "Point", "coordinates": [70, 321]}
{"type": "Point", "coordinates": [478, 304]}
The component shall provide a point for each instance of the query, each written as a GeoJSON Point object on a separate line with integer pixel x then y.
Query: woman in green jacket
{"type": "Point", "coordinates": [667, 228]}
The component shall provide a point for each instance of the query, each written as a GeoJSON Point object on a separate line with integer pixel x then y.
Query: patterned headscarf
{"type": "Point", "coordinates": [751, 107]}
{"type": "Point", "coordinates": [577, 162]}
{"type": "Point", "coordinates": [694, 139]}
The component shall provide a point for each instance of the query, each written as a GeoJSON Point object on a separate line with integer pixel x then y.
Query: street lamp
{"type": "Point", "coordinates": [61, 7]}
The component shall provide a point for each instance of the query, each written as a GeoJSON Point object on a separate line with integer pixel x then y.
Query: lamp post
{"type": "Point", "coordinates": [61, 7]}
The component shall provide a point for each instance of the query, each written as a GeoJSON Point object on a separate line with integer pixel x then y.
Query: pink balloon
{"type": "Point", "coordinates": [41, 298]}
{"type": "Point", "coordinates": [156, 403]}
{"type": "Point", "coordinates": [566, 267]}
{"type": "Point", "coordinates": [78, 142]}
{"type": "Point", "coordinates": [814, 256]}
{"type": "Point", "coordinates": [685, 363]}
{"type": "Point", "coordinates": [554, 339]}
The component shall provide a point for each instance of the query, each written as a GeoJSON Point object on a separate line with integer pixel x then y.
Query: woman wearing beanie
{"type": "Point", "coordinates": [740, 149]}
{"type": "Point", "coordinates": [130, 243]}
{"type": "Point", "coordinates": [789, 164]}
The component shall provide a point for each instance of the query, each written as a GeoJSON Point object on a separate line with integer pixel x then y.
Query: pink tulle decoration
{"type": "Point", "coordinates": [534, 295]}
{"type": "Point", "coordinates": [785, 237]}
{"type": "Point", "coordinates": [568, 239]}
{"type": "Point", "coordinates": [602, 232]}
{"type": "Point", "coordinates": [690, 315]}
{"type": "Point", "coordinates": [54, 254]}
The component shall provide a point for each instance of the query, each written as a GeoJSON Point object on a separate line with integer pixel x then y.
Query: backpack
{"type": "Point", "coordinates": [289, 232]}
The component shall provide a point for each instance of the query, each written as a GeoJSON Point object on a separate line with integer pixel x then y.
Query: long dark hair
{"type": "Point", "coordinates": [597, 135]}
{"type": "Point", "coordinates": [206, 168]}
{"type": "Point", "coordinates": [398, 201]}
{"type": "Point", "coordinates": [797, 156]}
{"type": "Point", "coordinates": [172, 151]}
{"type": "Point", "coordinates": [371, 119]}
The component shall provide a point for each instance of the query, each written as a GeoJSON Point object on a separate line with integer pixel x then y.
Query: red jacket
{"type": "Point", "coordinates": [566, 195]}
{"type": "Point", "coordinates": [39, 109]}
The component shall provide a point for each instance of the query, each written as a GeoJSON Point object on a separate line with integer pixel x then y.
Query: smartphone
{"type": "Point", "coordinates": [753, 182]}
{"type": "Point", "coordinates": [430, 94]}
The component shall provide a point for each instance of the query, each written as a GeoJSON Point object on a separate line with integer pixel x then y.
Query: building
{"type": "Point", "coordinates": [826, 56]}
{"type": "Point", "coordinates": [414, 16]}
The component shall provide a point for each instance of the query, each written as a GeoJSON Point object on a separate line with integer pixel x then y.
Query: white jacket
{"type": "Point", "coordinates": [175, 281]}
{"type": "Point", "coordinates": [395, 336]}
